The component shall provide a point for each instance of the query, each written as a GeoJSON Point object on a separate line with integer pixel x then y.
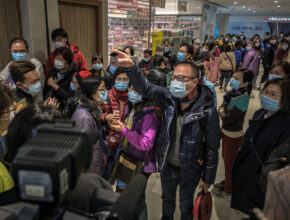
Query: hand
{"type": "Point", "coordinates": [204, 186]}
{"type": "Point", "coordinates": [284, 159]}
{"type": "Point", "coordinates": [51, 101]}
{"type": "Point", "coordinates": [124, 60]}
{"type": "Point", "coordinates": [116, 125]}
{"type": "Point", "coordinates": [110, 117]}
{"type": "Point", "coordinates": [52, 82]}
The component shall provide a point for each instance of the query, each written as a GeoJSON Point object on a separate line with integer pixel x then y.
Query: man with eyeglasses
{"type": "Point", "coordinates": [19, 51]}
{"type": "Point", "coordinates": [190, 128]}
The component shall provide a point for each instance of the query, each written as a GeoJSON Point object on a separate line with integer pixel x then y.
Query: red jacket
{"type": "Point", "coordinates": [79, 59]}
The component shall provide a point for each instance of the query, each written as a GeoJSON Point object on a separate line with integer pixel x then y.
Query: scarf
{"type": "Point", "coordinates": [232, 94]}
{"type": "Point", "coordinates": [122, 98]}
{"type": "Point", "coordinates": [92, 106]}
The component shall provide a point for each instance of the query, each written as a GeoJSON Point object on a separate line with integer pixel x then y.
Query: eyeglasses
{"type": "Point", "coordinates": [181, 78]}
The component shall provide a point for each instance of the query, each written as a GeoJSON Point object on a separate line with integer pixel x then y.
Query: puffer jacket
{"type": "Point", "coordinates": [268, 55]}
{"type": "Point", "coordinates": [141, 138]}
{"type": "Point", "coordinates": [157, 77]}
{"type": "Point", "coordinates": [251, 61]}
{"type": "Point", "coordinates": [191, 137]}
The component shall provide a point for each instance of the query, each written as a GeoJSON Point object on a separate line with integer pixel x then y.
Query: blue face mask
{"type": "Point", "coordinates": [270, 77]}
{"type": "Point", "coordinates": [249, 48]}
{"type": "Point", "coordinates": [178, 89]}
{"type": "Point", "coordinates": [146, 59]}
{"type": "Point", "coordinates": [159, 53]}
{"type": "Point", "coordinates": [19, 56]}
{"type": "Point", "coordinates": [34, 89]}
{"type": "Point", "coordinates": [269, 104]}
{"type": "Point", "coordinates": [112, 69]}
{"type": "Point", "coordinates": [121, 86]}
{"type": "Point", "coordinates": [180, 56]}
{"type": "Point", "coordinates": [97, 66]}
{"type": "Point", "coordinates": [284, 47]}
{"type": "Point", "coordinates": [103, 96]}
{"type": "Point", "coordinates": [166, 49]}
{"type": "Point", "coordinates": [72, 86]}
{"type": "Point", "coordinates": [235, 84]}
{"type": "Point", "coordinates": [134, 97]}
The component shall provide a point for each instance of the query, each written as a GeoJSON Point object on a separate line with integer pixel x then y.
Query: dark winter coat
{"type": "Point", "coordinates": [265, 135]}
{"type": "Point", "coordinates": [191, 136]}
{"type": "Point", "coordinates": [269, 52]}
{"type": "Point", "coordinates": [157, 77]}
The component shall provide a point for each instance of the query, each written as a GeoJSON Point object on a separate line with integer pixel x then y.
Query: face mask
{"type": "Point", "coordinates": [19, 56]}
{"type": "Point", "coordinates": [134, 97]}
{"type": "Point", "coordinates": [97, 66]}
{"type": "Point", "coordinates": [159, 53]}
{"type": "Point", "coordinates": [270, 77]}
{"type": "Point", "coordinates": [103, 96]}
{"type": "Point", "coordinates": [166, 49]}
{"type": "Point", "coordinates": [235, 84]}
{"type": "Point", "coordinates": [284, 47]}
{"type": "Point", "coordinates": [269, 104]}
{"type": "Point", "coordinates": [121, 86]}
{"type": "Point", "coordinates": [112, 69]}
{"type": "Point", "coordinates": [72, 86]}
{"type": "Point", "coordinates": [204, 50]}
{"type": "Point", "coordinates": [180, 56]}
{"type": "Point", "coordinates": [58, 44]}
{"type": "Point", "coordinates": [58, 64]}
{"type": "Point", "coordinates": [196, 46]}
{"type": "Point", "coordinates": [210, 41]}
{"type": "Point", "coordinates": [222, 38]}
{"type": "Point", "coordinates": [34, 89]}
{"type": "Point", "coordinates": [249, 48]}
{"type": "Point", "coordinates": [226, 39]}
{"type": "Point", "coordinates": [273, 41]}
{"type": "Point", "coordinates": [281, 35]}
{"type": "Point", "coordinates": [146, 59]}
{"type": "Point", "coordinates": [242, 37]}
{"type": "Point", "coordinates": [178, 89]}
{"type": "Point", "coordinates": [257, 45]}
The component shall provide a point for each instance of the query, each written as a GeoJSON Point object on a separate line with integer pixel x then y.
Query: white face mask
{"type": "Point", "coordinates": [58, 44]}
{"type": "Point", "coordinates": [257, 44]}
{"type": "Point", "coordinates": [273, 41]}
{"type": "Point", "coordinates": [196, 46]}
{"type": "Point", "coordinates": [58, 64]}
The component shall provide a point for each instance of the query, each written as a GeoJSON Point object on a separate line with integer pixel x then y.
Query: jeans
{"type": "Point", "coordinates": [225, 74]}
{"type": "Point", "coordinates": [170, 179]}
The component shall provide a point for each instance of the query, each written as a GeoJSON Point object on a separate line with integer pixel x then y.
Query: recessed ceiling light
{"type": "Point", "coordinates": [278, 6]}
{"type": "Point", "coordinates": [276, 1]}
{"type": "Point", "coordinates": [249, 9]}
{"type": "Point", "coordinates": [243, 6]}
{"type": "Point", "coordinates": [254, 11]}
{"type": "Point", "coordinates": [235, 3]}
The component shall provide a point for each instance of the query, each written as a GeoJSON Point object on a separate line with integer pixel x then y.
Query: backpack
{"type": "Point", "coordinates": [238, 56]}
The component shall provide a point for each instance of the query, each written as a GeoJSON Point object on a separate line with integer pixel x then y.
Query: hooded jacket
{"type": "Point", "coordinates": [191, 135]}
{"type": "Point", "coordinates": [251, 61]}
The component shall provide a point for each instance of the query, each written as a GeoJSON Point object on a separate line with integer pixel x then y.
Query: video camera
{"type": "Point", "coordinates": [50, 180]}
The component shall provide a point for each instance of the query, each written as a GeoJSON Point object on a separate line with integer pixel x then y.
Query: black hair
{"type": "Point", "coordinates": [97, 57]}
{"type": "Point", "coordinates": [189, 48]}
{"type": "Point", "coordinates": [19, 68]}
{"type": "Point", "coordinates": [118, 71]}
{"type": "Point", "coordinates": [157, 60]}
{"type": "Point", "coordinates": [248, 77]}
{"type": "Point", "coordinates": [148, 52]}
{"type": "Point", "coordinates": [285, 66]}
{"type": "Point", "coordinates": [66, 53]}
{"type": "Point", "coordinates": [20, 129]}
{"type": "Point", "coordinates": [238, 45]}
{"type": "Point", "coordinates": [272, 37]}
{"type": "Point", "coordinates": [131, 48]}
{"type": "Point", "coordinates": [284, 41]}
{"type": "Point", "coordinates": [259, 47]}
{"type": "Point", "coordinates": [18, 40]}
{"type": "Point", "coordinates": [59, 32]}
{"type": "Point", "coordinates": [228, 48]}
{"type": "Point", "coordinates": [194, 67]}
{"type": "Point", "coordinates": [90, 85]}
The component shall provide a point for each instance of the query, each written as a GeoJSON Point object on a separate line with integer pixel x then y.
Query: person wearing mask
{"type": "Point", "coordinates": [139, 133]}
{"type": "Point", "coordinates": [211, 42]}
{"type": "Point", "coordinates": [281, 54]}
{"type": "Point", "coordinates": [232, 112]}
{"type": "Point", "coordinates": [60, 38]}
{"type": "Point", "coordinates": [281, 36]}
{"type": "Point", "coordinates": [157, 74]}
{"type": "Point", "coordinates": [269, 128]}
{"type": "Point", "coordinates": [268, 57]}
{"type": "Point", "coordinates": [20, 51]}
{"type": "Point", "coordinates": [280, 71]}
{"type": "Point", "coordinates": [146, 62]}
{"type": "Point", "coordinates": [185, 52]}
{"type": "Point", "coordinates": [114, 107]}
{"type": "Point", "coordinates": [160, 51]}
{"type": "Point", "coordinates": [187, 104]}
{"type": "Point", "coordinates": [169, 54]}
{"type": "Point", "coordinates": [27, 81]}
{"type": "Point", "coordinates": [227, 40]}
{"type": "Point", "coordinates": [196, 50]}
{"type": "Point", "coordinates": [238, 53]}
{"type": "Point", "coordinates": [87, 115]}
{"type": "Point", "coordinates": [266, 38]}
{"type": "Point", "coordinates": [214, 65]}
{"type": "Point", "coordinates": [243, 39]}
{"type": "Point", "coordinates": [130, 50]}
{"type": "Point", "coordinates": [58, 80]}
{"type": "Point", "coordinates": [251, 60]}
{"type": "Point", "coordinates": [227, 66]}
{"type": "Point", "coordinates": [97, 66]}
{"type": "Point", "coordinates": [205, 58]}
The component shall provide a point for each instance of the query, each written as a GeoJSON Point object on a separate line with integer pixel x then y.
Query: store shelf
{"type": "Point", "coordinates": [179, 37]}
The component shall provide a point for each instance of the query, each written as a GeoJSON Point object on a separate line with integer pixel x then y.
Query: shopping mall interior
{"type": "Point", "coordinates": [99, 27]}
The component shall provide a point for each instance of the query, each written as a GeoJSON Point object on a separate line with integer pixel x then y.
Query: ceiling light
{"type": "Point", "coordinates": [235, 3]}
{"type": "Point", "coordinates": [254, 11]}
{"type": "Point", "coordinates": [278, 6]}
{"type": "Point", "coordinates": [249, 9]}
{"type": "Point", "coordinates": [276, 1]}
{"type": "Point", "coordinates": [243, 6]}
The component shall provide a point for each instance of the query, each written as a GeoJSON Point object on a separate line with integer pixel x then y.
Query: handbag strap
{"type": "Point", "coordinates": [230, 61]}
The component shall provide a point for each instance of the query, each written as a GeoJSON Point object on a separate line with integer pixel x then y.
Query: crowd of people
{"type": "Point", "coordinates": [160, 112]}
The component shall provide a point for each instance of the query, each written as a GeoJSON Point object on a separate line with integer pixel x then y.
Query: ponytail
{"type": "Point", "coordinates": [248, 77]}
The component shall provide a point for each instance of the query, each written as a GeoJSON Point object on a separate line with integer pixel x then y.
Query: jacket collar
{"type": "Point", "coordinates": [23, 95]}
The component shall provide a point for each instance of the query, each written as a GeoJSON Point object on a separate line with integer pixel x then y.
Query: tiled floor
{"type": "Point", "coordinates": [221, 207]}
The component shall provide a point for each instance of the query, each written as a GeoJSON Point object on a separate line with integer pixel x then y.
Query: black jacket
{"type": "Point", "coordinates": [268, 55]}
{"type": "Point", "coordinates": [20, 94]}
{"type": "Point", "coordinates": [157, 76]}
{"type": "Point", "coordinates": [275, 162]}
{"type": "Point", "coordinates": [266, 135]}
{"type": "Point", "coordinates": [64, 92]}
